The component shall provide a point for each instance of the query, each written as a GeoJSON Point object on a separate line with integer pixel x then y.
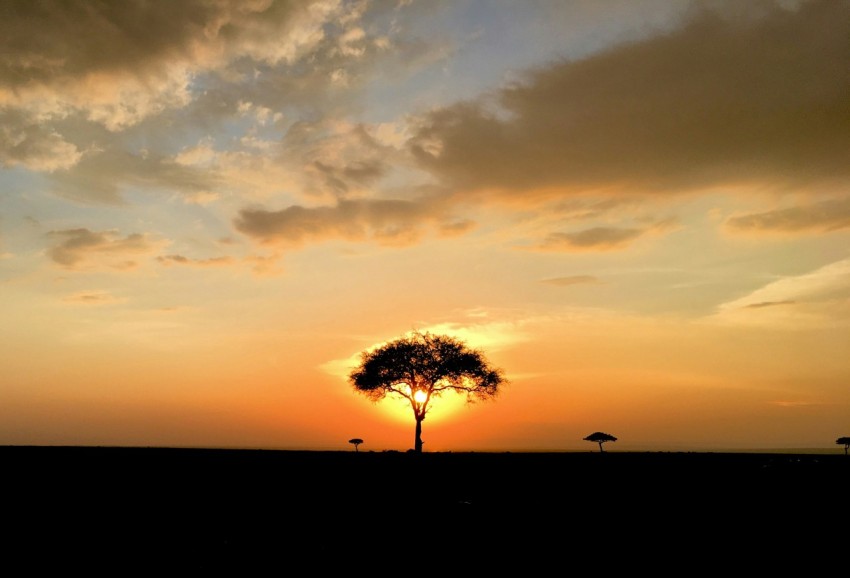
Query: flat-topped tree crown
{"type": "Point", "coordinates": [600, 438]}
{"type": "Point", "coordinates": [422, 366]}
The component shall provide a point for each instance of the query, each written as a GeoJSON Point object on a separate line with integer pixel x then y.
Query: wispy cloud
{"type": "Point", "coordinates": [769, 304]}
{"type": "Point", "coordinates": [601, 238]}
{"type": "Point", "coordinates": [820, 217]}
{"type": "Point", "coordinates": [794, 403]}
{"type": "Point", "coordinates": [92, 298]}
{"type": "Point", "coordinates": [571, 280]}
{"type": "Point", "coordinates": [816, 299]}
{"type": "Point", "coordinates": [181, 260]}
{"type": "Point", "coordinates": [4, 254]}
{"type": "Point", "coordinates": [265, 265]}
{"type": "Point", "coordinates": [102, 175]}
{"type": "Point", "coordinates": [32, 146]}
{"type": "Point", "coordinates": [594, 239]}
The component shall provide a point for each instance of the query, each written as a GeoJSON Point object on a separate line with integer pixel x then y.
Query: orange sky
{"type": "Point", "coordinates": [639, 210]}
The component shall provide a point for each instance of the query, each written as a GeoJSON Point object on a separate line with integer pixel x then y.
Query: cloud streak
{"type": "Point", "coordinates": [821, 217]}
{"type": "Point", "coordinates": [601, 238]}
{"type": "Point", "coordinates": [388, 222]}
{"type": "Point", "coordinates": [181, 260]}
{"type": "Point", "coordinates": [571, 280]}
{"type": "Point", "coordinates": [92, 298]}
{"type": "Point", "coordinates": [816, 299]}
{"type": "Point", "coordinates": [769, 304]}
{"type": "Point", "coordinates": [594, 239]}
{"type": "Point", "coordinates": [79, 247]}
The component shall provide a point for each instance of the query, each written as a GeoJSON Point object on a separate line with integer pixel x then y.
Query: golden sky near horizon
{"type": "Point", "coordinates": [638, 209]}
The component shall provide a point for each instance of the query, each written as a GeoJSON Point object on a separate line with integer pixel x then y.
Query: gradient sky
{"type": "Point", "coordinates": [638, 209]}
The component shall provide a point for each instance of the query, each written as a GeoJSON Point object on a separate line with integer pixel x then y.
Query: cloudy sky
{"type": "Point", "coordinates": [638, 209]}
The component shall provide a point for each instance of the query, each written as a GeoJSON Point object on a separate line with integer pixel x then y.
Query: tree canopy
{"type": "Point", "coordinates": [845, 441]}
{"type": "Point", "coordinates": [600, 438]}
{"type": "Point", "coordinates": [421, 366]}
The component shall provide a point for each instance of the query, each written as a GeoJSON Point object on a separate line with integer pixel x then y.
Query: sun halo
{"type": "Point", "coordinates": [440, 407]}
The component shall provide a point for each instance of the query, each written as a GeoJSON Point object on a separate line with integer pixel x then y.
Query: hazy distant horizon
{"type": "Point", "coordinates": [335, 449]}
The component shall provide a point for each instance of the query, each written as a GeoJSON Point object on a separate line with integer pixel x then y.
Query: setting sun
{"type": "Point", "coordinates": [441, 409]}
{"type": "Point", "coordinates": [422, 365]}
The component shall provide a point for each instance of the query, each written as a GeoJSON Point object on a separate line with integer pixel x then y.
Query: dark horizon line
{"type": "Point", "coordinates": [780, 451]}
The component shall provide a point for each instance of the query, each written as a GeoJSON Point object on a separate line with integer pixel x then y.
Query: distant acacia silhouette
{"type": "Point", "coordinates": [422, 366]}
{"type": "Point", "coordinates": [600, 438]}
{"type": "Point", "coordinates": [356, 442]}
{"type": "Point", "coordinates": [845, 441]}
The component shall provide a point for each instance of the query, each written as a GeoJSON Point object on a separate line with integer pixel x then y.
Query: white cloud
{"type": "Point", "coordinates": [817, 299]}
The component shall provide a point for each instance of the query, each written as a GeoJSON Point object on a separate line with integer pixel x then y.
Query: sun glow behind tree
{"type": "Point", "coordinates": [441, 409]}
{"type": "Point", "coordinates": [422, 366]}
{"type": "Point", "coordinates": [445, 407]}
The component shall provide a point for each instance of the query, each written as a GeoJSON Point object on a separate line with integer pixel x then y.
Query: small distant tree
{"type": "Point", "coordinates": [600, 438]}
{"type": "Point", "coordinates": [845, 441]}
{"type": "Point", "coordinates": [422, 366]}
{"type": "Point", "coordinates": [355, 442]}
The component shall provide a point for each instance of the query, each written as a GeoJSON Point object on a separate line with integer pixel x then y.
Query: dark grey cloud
{"type": "Point", "coordinates": [364, 172]}
{"type": "Point", "coordinates": [757, 94]}
{"type": "Point", "coordinates": [50, 41]}
{"type": "Point", "coordinates": [824, 216]}
{"type": "Point", "coordinates": [391, 222]}
{"type": "Point", "coordinates": [117, 64]}
{"type": "Point", "coordinates": [158, 72]}
{"type": "Point", "coordinates": [82, 56]}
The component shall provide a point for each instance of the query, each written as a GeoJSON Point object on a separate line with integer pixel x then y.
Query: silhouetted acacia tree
{"type": "Point", "coordinates": [422, 366]}
{"type": "Point", "coordinates": [845, 441]}
{"type": "Point", "coordinates": [600, 438]}
{"type": "Point", "coordinates": [356, 442]}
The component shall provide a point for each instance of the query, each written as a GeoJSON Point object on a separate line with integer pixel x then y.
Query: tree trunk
{"type": "Point", "coordinates": [417, 443]}
{"type": "Point", "coordinates": [600, 448]}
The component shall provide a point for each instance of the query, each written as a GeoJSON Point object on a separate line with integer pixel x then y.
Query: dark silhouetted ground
{"type": "Point", "coordinates": [245, 513]}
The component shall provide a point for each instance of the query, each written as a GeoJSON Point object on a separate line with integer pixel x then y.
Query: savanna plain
{"type": "Point", "coordinates": [267, 512]}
